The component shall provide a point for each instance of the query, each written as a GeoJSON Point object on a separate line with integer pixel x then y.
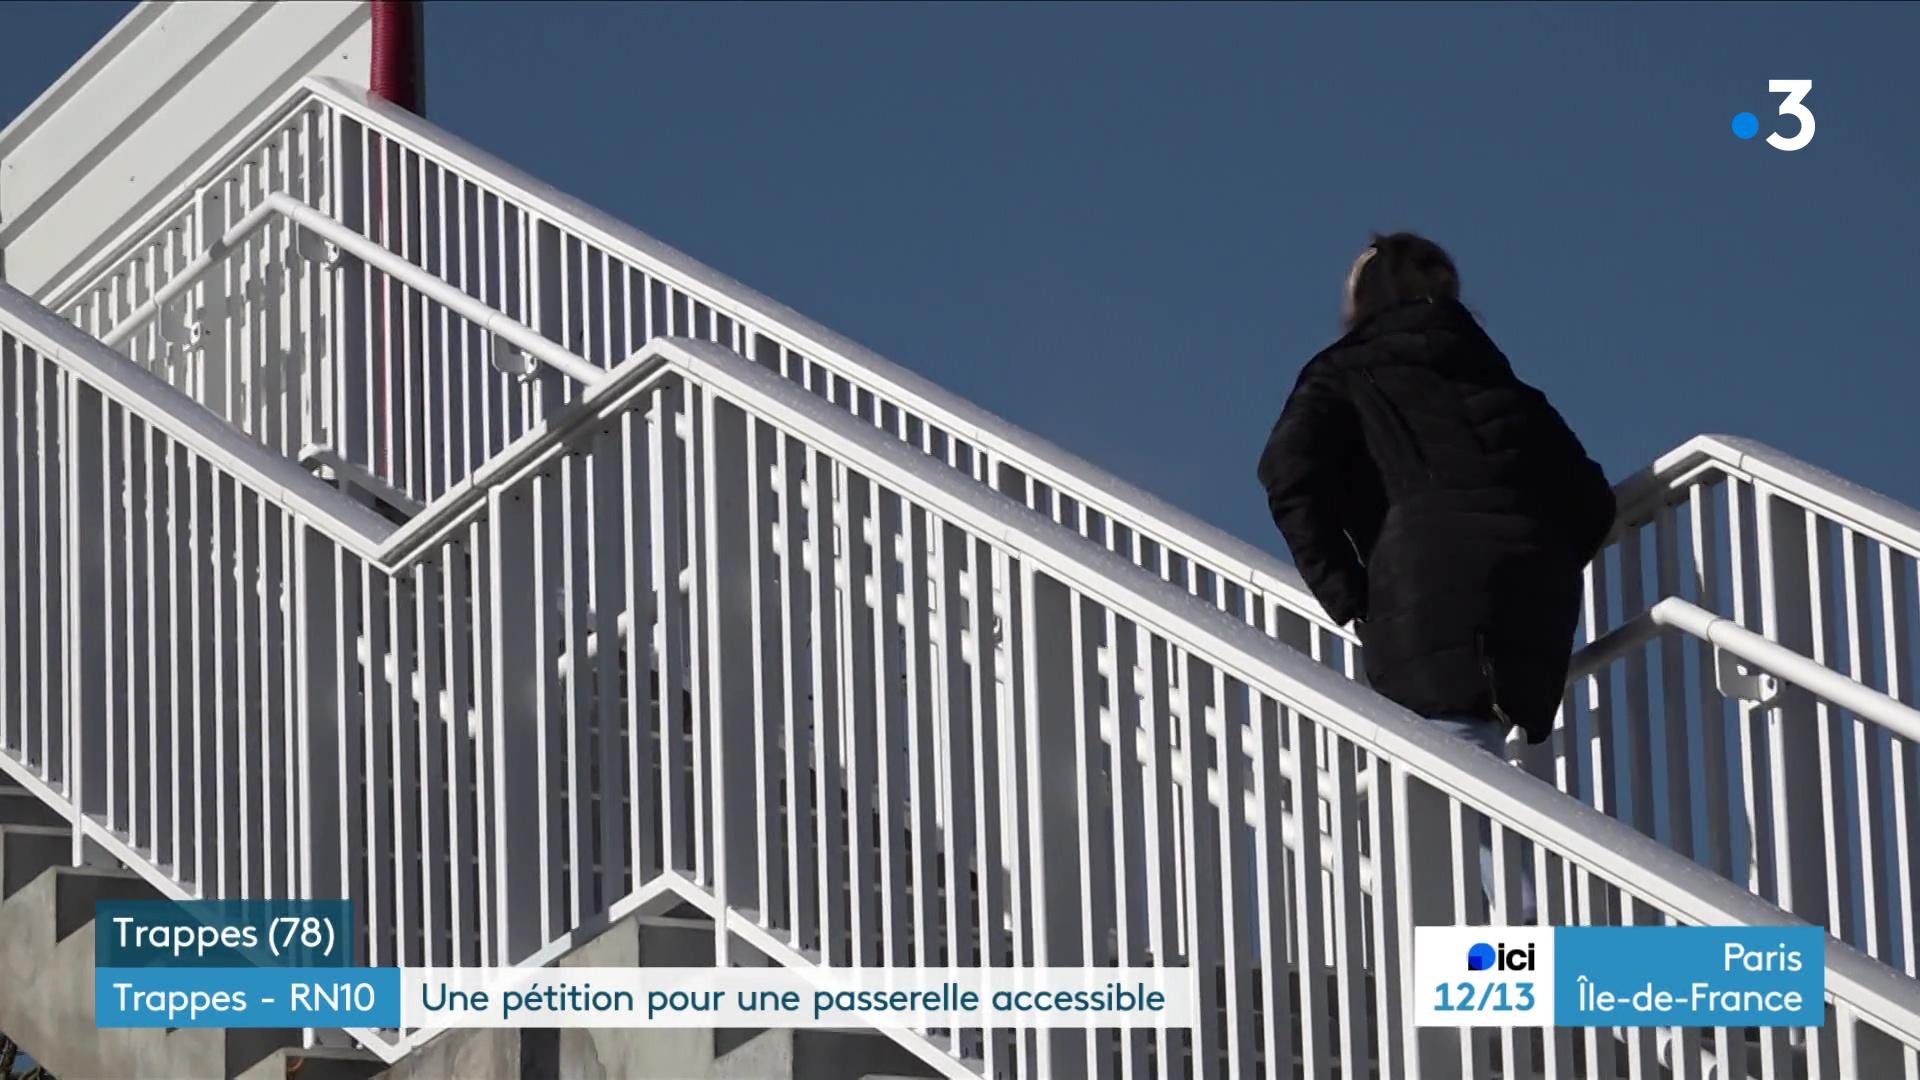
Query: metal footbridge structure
{"type": "Point", "coordinates": [377, 522]}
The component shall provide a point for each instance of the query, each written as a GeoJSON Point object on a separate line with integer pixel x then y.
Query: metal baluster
{"type": "Point", "coordinates": [734, 704]}
{"type": "Point", "coordinates": [487, 904]}
{"type": "Point", "coordinates": [1896, 597]}
{"type": "Point", "coordinates": [1133, 946]}
{"type": "Point", "coordinates": [1598, 781]}
{"type": "Point", "coordinates": [799, 565]}
{"type": "Point", "coordinates": [610, 564]}
{"type": "Point", "coordinates": [1745, 573]}
{"type": "Point", "coordinates": [959, 652]}
{"type": "Point", "coordinates": [829, 812]}
{"type": "Point", "coordinates": [1868, 756]}
{"type": "Point", "coordinates": [1680, 769]}
{"type": "Point", "coordinates": [1353, 1035]}
{"type": "Point", "coordinates": [458, 599]}
{"type": "Point", "coordinates": [1277, 906]}
{"type": "Point", "coordinates": [1094, 801]}
{"type": "Point", "coordinates": [158, 560]}
{"type": "Point", "coordinates": [1163, 925]}
{"type": "Point", "coordinates": [920, 615]}
{"type": "Point", "coordinates": [1002, 886]}
{"type": "Point", "coordinates": [575, 776]}
{"type": "Point", "coordinates": [1631, 724]}
{"type": "Point", "coordinates": [81, 508]}
{"type": "Point", "coordinates": [1796, 736]}
{"type": "Point", "coordinates": [893, 723]}
{"type": "Point", "coordinates": [318, 627]}
{"type": "Point", "coordinates": [1708, 576]}
{"type": "Point", "coordinates": [1055, 811]}
{"type": "Point", "coordinates": [1206, 899]}
{"type": "Point", "coordinates": [517, 810]}
{"type": "Point", "coordinates": [190, 643]}
{"type": "Point", "coordinates": [250, 726]}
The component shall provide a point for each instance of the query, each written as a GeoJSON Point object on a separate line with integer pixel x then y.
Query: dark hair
{"type": "Point", "coordinates": [1405, 268]}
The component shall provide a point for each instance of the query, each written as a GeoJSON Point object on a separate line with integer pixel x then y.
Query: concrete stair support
{"type": "Point", "coordinates": [47, 934]}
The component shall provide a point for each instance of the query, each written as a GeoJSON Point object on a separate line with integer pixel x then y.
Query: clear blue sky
{"type": "Point", "coordinates": [1125, 227]}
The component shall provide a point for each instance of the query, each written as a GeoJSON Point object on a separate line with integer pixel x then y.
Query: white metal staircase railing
{"type": "Point", "coordinates": [1736, 528]}
{"type": "Point", "coordinates": [905, 653]}
{"type": "Point", "coordinates": [1826, 798]}
{"type": "Point", "coordinates": [576, 276]}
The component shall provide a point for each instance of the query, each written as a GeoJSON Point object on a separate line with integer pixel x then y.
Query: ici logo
{"type": "Point", "coordinates": [1500, 957]}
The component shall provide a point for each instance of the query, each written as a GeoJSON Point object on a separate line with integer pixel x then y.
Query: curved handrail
{"type": "Point", "coordinates": [1775, 659]}
{"type": "Point", "coordinates": [1862, 509]}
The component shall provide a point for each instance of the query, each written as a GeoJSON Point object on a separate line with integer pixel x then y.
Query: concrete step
{"type": "Point", "coordinates": [317, 1063]}
{"type": "Point", "coordinates": [513, 1053]}
{"type": "Point", "coordinates": [78, 889]}
{"type": "Point", "coordinates": [808, 1054]}
{"type": "Point", "coordinates": [21, 807]}
{"type": "Point", "coordinates": [655, 1054]}
{"type": "Point", "coordinates": [47, 940]}
{"type": "Point", "coordinates": [27, 851]}
{"type": "Point", "coordinates": [46, 933]}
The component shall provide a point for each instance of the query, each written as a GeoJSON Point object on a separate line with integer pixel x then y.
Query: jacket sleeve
{"type": "Point", "coordinates": [1585, 499]}
{"type": "Point", "coordinates": [1590, 508]}
{"type": "Point", "coordinates": [1301, 468]}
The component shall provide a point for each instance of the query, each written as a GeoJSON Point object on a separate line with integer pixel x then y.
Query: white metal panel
{"type": "Point", "coordinates": [126, 125]}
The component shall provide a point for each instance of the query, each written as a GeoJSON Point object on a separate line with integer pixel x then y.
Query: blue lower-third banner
{"type": "Point", "coordinates": [1620, 976]}
{"type": "Point", "coordinates": [627, 997]}
{"type": "Point", "coordinates": [247, 997]}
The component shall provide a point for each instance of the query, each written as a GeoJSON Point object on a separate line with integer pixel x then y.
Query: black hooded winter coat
{"type": "Point", "coordinates": [1429, 493]}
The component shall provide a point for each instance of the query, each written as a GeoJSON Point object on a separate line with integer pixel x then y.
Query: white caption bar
{"type": "Point", "coordinates": [796, 998]}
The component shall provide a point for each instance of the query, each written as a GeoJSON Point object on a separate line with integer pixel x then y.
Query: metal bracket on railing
{"type": "Point", "coordinates": [317, 248]}
{"type": "Point", "coordinates": [180, 333]}
{"type": "Point", "coordinates": [327, 464]}
{"type": "Point", "coordinates": [265, 286]}
{"type": "Point", "coordinates": [173, 325]}
{"type": "Point", "coordinates": [1736, 681]}
{"type": "Point", "coordinates": [511, 359]}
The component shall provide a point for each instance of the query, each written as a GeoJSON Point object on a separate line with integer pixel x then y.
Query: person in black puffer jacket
{"type": "Point", "coordinates": [1442, 506]}
{"type": "Point", "coordinates": [1434, 498]}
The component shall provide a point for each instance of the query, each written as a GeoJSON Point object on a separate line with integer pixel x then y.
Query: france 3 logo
{"type": "Point", "coordinates": [1800, 130]}
{"type": "Point", "coordinates": [1482, 976]}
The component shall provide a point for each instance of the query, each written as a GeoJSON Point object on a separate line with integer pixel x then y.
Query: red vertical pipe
{"type": "Point", "coordinates": [396, 76]}
{"type": "Point", "coordinates": [397, 72]}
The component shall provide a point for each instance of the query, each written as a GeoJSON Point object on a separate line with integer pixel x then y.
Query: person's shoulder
{"type": "Point", "coordinates": [1329, 368]}
{"type": "Point", "coordinates": [1333, 362]}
